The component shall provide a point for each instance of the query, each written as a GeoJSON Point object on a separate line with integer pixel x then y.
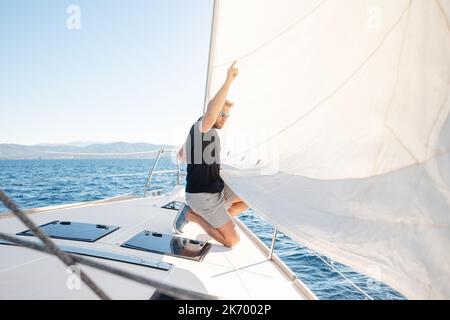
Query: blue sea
{"type": "Point", "coordinates": [39, 183]}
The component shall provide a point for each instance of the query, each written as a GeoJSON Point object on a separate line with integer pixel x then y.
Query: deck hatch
{"type": "Point", "coordinates": [174, 205]}
{"type": "Point", "coordinates": [76, 231]}
{"type": "Point", "coordinates": [169, 245]}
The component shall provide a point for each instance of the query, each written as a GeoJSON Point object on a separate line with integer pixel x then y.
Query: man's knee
{"type": "Point", "coordinates": [230, 234]}
{"type": "Point", "coordinates": [232, 240]}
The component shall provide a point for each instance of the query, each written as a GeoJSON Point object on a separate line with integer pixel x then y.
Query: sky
{"type": "Point", "coordinates": [108, 70]}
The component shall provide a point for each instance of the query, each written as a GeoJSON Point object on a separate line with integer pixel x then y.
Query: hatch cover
{"type": "Point", "coordinates": [73, 231]}
{"type": "Point", "coordinates": [174, 205]}
{"type": "Point", "coordinates": [169, 245]}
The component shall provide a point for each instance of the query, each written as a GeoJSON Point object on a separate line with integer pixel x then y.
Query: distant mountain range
{"type": "Point", "coordinates": [79, 150]}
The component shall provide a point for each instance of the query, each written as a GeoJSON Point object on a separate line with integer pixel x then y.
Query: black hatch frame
{"type": "Point", "coordinates": [76, 231]}
{"type": "Point", "coordinates": [168, 245]}
{"type": "Point", "coordinates": [173, 205]}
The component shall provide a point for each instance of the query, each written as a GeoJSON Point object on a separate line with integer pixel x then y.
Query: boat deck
{"type": "Point", "coordinates": [243, 272]}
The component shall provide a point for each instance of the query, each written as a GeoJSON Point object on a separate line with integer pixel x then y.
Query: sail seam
{"type": "Point", "coordinates": [444, 14]}
{"type": "Point", "coordinates": [394, 93]}
{"type": "Point", "coordinates": [402, 144]}
{"type": "Point", "coordinates": [441, 111]}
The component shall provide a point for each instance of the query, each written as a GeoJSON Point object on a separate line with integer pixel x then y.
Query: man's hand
{"type": "Point", "coordinates": [217, 103]}
{"type": "Point", "coordinates": [232, 73]}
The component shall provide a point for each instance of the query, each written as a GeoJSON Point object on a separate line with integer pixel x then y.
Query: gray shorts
{"type": "Point", "coordinates": [213, 207]}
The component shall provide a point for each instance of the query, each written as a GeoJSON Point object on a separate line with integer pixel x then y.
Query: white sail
{"type": "Point", "coordinates": [340, 134]}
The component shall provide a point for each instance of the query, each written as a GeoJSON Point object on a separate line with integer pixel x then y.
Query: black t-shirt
{"type": "Point", "coordinates": [203, 159]}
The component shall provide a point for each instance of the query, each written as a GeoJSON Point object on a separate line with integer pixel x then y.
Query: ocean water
{"type": "Point", "coordinates": [38, 183]}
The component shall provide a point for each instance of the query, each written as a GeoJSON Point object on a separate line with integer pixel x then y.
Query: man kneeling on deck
{"type": "Point", "coordinates": [207, 196]}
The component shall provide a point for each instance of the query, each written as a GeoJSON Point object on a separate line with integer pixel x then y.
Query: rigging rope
{"type": "Point", "coordinates": [343, 276]}
{"type": "Point", "coordinates": [67, 259]}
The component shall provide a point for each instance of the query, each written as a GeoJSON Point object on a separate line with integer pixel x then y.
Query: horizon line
{"type": "Point", "coordinates": [87, 142]}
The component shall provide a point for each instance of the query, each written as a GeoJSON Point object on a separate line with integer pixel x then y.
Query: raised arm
{"type": "Point", "coordinates": [216, 104]}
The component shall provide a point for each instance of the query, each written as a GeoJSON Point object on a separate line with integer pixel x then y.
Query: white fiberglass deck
{"type": "Point", "coordinates": [243, 272]}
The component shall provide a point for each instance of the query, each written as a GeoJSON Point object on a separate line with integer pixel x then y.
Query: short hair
{"type": "Point", "coordinates": [228, 103]}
